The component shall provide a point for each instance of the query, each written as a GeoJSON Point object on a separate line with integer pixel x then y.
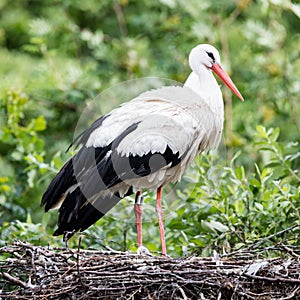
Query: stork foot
{"type": "Point", "coordinates": [143, 251]}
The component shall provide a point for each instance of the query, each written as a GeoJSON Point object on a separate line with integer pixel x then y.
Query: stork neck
{"type": "Point", "coordinates": [205, 85]}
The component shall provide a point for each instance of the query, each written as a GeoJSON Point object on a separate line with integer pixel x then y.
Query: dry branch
{"type": "Point", "coordinates": [35, 272]}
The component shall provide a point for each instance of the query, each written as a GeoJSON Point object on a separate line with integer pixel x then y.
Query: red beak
{"type": "Point", "coordinates": [226, 79]}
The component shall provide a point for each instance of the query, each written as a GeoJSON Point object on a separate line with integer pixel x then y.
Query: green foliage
{"type": "Point", "coordinates": [55, 56]}
{"type": "Point", "coordinates": [231, 208]}
{"type": "Point", "coordinates": [283, 158]}
{"type": "Point", "coordinates": [20, 142]}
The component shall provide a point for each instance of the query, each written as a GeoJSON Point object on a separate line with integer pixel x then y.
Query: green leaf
{"type": "Point", "coordinates": [240, 173]}
{"type": "Point", "coordinates": [275, 134]}
{"type": "Point", "coordinates": [259, 206]}
{"type": "Point", "coordinates": [239, 207]}
{"type": "Point", "coordinates": [40, 124]}
{"type": "Point", "coordinates": [16, 155]}
{"type": "Point", "coordinates": [266, 174]}
{"type": "Point", "coordinates": [31, 177]}
{"type": "Point", "coordinates": [198, 241]}
{"type": "Point", "coordinates": [28, 219]}
{"type": "Point", "coordinates": [262, 131]}
{"type": "Point", "coordinates": [214, 226]}
{"type": "Point", "coordinates": [45, 220]}
{"type": "Point", "coordinates": [254, 182]}
{"type": "Point", "coordinates": [2, 200]}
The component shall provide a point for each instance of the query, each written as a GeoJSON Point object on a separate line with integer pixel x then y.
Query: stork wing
{"type": "Point", "coordinates": [177, 106]}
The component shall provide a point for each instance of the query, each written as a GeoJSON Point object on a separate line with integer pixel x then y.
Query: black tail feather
{"type": "Point", "coordinates": [60, 183]}
{"type": "Point", "coordinates": [73, 219]}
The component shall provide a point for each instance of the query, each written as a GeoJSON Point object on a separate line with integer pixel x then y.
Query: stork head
{"type": "Point", "coordinates": [206, 57]}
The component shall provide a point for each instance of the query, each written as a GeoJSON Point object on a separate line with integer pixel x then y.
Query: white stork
{"type": "Point", "coordinates": [145, 143]}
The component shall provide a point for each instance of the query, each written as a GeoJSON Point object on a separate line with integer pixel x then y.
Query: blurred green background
{"type": "Point", "coordinates": [57, 55]}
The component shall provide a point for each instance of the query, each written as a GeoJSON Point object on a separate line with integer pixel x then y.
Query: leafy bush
{"type": "Point", "coordinates": [20, 142]}
{"type": "Point", "coordinates": [230, 208]}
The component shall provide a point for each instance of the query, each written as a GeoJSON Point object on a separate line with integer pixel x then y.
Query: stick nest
{"type": "Point", "coordinates": [36, 272]}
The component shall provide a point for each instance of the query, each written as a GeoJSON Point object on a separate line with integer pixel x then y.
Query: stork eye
{"type": "Point", "coordinates": [211, 56]}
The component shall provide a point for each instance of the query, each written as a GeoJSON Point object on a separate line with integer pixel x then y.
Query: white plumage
{"type": "Point", "coordinates": [145, 143]}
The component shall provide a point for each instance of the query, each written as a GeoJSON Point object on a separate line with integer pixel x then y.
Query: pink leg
{"type": "Point", "coordinates": [138, 216]}
{"type": "Point", "coordinates": [160, 216]}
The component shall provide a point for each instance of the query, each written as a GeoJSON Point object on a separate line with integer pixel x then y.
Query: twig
{"type": "Point", "coordinates": [270, 279]}
{"type": "Point", "coordinates": [255, 245]}
{"type": "Point", "coordinates": [182, 292]}
{"type": "Point", "coordinates": [121, 19]}
{"type": "Point", "coordinates": [15, 280]}
{"type": "Point", "coordinates": [289, 250]}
